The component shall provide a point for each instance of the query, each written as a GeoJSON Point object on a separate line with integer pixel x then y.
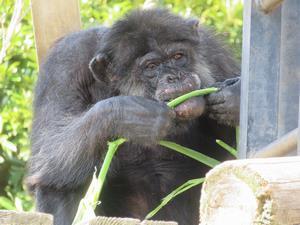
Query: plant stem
{"type": "Point", "coordinates": [112, 148]}
{"type": "Point", "coordinates": [88, 204]}
{"type": "Point", "coordinates": [189, 95]}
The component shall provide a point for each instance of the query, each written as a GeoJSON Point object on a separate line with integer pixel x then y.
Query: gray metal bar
{"type": "Point", "coordinates": [289, 82]}
{"type": "Point", "coordinates": [260, 78]}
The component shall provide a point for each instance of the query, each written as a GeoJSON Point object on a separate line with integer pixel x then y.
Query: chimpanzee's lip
{"type": "Point", "coordinates": [169, 94]}
{"type": "Point", "coordinates": [191, 108]}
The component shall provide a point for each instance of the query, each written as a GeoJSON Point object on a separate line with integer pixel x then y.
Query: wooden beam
{"type": "Point", "coordinates": [52, 20]}
{"type": "Point", "coordinates": [281, 147]}
{"type": "Point", "coordinates": [268, 5]}
{"type": "Point", "coordinates": [251, 192]}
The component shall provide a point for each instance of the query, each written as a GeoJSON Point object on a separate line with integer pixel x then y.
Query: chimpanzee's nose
{"type": "Point", "coordinates": [171, 78]}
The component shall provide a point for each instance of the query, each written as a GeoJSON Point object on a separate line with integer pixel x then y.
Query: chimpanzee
{"type": "Point", "coordinates": [103, 83]}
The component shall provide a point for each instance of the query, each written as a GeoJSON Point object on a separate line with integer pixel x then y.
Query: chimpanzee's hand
{"type": "Point", "coordinates": [224, 105]}
{"type": "Point", "coordinates": [141, 120]}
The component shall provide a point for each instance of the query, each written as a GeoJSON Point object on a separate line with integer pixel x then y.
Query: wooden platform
{"type": "Point", "coordinates": [34, 218]}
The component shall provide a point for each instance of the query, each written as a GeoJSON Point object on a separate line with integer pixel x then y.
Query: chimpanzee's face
{"type": "Point", "coordinates": [167, 72]}
{"type": "Point", "coordinates": [164, 72]}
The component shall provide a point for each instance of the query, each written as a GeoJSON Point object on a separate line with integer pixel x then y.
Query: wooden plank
{"type": "Point", "coordinates": [260, 77]}
{"type": "Point", "coordinates": [251, 192]}
{"type": "Point", "coordinates": [52, 20]}
{"type": "Point", "coordinates": [126, 221]}
{"type": "Point", "coordinates": [23, 218]}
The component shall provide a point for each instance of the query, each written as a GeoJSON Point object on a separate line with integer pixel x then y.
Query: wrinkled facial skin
{"type": "Point", "coordinates": [164, 73]}
{"type": "Point", "coordinates": [167, 72]}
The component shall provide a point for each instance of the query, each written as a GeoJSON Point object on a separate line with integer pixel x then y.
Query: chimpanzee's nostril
{"type": "Point", "coordinates": [172, 78]}
{"type": "Point", "coordinates": [169, 79]}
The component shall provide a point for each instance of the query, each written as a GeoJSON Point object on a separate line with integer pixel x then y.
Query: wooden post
{"type": "Point", "coordinates": [252, 192]}
{"type": "Point", "coordinates": [52, 20]}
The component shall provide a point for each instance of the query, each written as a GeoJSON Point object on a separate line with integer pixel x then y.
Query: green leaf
{"type": "Point", "coordinates": [228, 148]}
{"type": "Point", "coordinates": [237, 134]}
{"type": "Point", "coordinates": [186, 186]}
{"type": "Point", "coordinates": [190, 153]}
{"type": "Point", "coordinates": [7, 145]}
{"type": "Point", "coordinates": [6, 203]}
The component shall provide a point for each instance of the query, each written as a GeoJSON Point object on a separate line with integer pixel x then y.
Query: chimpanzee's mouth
{"type": "Point", "coordinates": [170, 93]}
{"type": "Point", "coordinates": [191, 108]}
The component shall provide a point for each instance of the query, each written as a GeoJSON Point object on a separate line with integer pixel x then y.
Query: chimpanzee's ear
{"type": "Point", "coordinates": [98, 66]}
{"type": "Point", "coordinates": [194, 23]}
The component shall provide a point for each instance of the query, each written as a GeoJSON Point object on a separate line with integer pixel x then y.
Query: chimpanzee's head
{"type": "Point", "coordinates": [157, 55]}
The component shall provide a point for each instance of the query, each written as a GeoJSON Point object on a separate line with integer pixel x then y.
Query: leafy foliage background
{"type": "Point", "coordinates": [19, 70]}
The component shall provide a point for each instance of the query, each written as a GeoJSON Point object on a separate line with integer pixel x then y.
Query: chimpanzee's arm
{"type": "Point", "coordinates": [67, 148]}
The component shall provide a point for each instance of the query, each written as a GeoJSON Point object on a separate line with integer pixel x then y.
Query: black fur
{"type": "Point", "coordinates": [103, 83]}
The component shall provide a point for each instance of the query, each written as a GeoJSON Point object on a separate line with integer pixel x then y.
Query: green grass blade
{"type": "Point", "coordinates": [228, 148]}
{"type": "Point", "coordinates": [190, 153]}
{"type": "Point", "coordinates": [189, 95]}
{"type": "Point", "coordinates": [88, 204]}
{"type": "Point", "coordinates": [186, 186]}
{"type": "Point", "coordinates": [112, 148]}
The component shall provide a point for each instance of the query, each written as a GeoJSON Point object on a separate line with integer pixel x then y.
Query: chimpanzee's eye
{"type": "Point", "coordinates": [178, 56]}
{"type": "Point", "coordinates": [151, 65]}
